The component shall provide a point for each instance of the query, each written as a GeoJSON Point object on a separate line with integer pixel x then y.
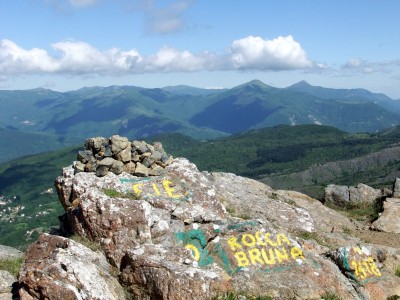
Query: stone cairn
{"type": "Point", "coordinates": [117, 154]}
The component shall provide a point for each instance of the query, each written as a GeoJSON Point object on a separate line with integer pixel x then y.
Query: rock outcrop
{"type": "Point", "coordinates": [185, 234]}
{"type": "Point", "coordinates": [9, 252]}
{"type": "Point", "coordinates": [342, 195]}
{"type": "Point", "coordinates": [7, 280]}
{"type": "Point", "coordinates": [59, 268]}
{"type": "Point", "coordinates": [389, 219]}
{"type": "Point", "coordinates": [396, 188]}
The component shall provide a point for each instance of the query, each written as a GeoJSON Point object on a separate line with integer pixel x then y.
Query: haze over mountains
{"type": "Point", "coordinates": [68, 117]}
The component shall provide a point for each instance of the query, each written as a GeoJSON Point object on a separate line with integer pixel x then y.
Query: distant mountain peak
{"type": "Point", "coordinates": [300, 84]}
{"type": "Point", "coordinates": [254, 83]}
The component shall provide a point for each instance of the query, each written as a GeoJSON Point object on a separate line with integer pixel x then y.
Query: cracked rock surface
{"type": "Point", "coordinates": [186, 234]}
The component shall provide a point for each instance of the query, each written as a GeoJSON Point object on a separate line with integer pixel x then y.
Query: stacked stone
{"type": "Point", "coordinates": [117, 154]}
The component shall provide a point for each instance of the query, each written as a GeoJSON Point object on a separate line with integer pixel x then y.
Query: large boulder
{"type": "Point", "coordinates": [6, 282]}
{"type": "Point", "coordinates": [59, 268]}
{"type": "Point", "coordinates": [363, 193]}
{"type": "Point", "coordinates": [7, 252]}
{"type": "Point", "coordinates": [185, 234]}
{"type": "Point", "coordinates": [337, 195]}
{"type": "Point", "coordinates": [389, 219]}
{"type": "Point", "coordinates": [341, 195]}
{"type": "Point", "coordinates": [396, 188]}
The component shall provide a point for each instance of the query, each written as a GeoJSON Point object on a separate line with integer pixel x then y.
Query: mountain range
{"type": "Point", "coordinates": [136, 112]}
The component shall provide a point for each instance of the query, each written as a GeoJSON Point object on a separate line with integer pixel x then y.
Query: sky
{"type": "Point", "coordinates": [69, 44]}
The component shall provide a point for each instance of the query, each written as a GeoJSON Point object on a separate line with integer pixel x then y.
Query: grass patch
{"type": "Point", "coordinates": [364, 212]}
{"type": "Point", "coordinates": [230, 210]}
{"type": "Point", "coordinates": [115, 194]}
{"type": "Point", "coordinates": [346, 230]}
{"type": "Point", "coordinates": [394, 297]}
{"type": "Point", "coordinates": [236, 296]}
{"type": "Point", "coordinates": [245, 217]}
{"type": "Point", "coordinates": [397, 271]}
{"type": "Point", "coordinates": [11, 265]}
{"type": "Point", "coordinates": [94, 246]}
{"type": "Point", "coordinates": [306, 235]}
{"type": "Point", "coordinates": [330, 296]}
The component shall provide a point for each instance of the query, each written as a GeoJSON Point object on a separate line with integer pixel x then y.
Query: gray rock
{"type": "Point", "coordinates": [342, 195]}
{"type": "Point", "coordinates": [337, 195]}
{"type": "Point", "coordinates": [141, 170]}
{"type": "Point", "coordinates": [102, 170]}
{"type": "Point", "coordinates": [157, 171]}
{"type": "Point", "coordinates": [117, 167]}
{"type": "Point", "coordinates": [108, 162]}
{"type": "Point", "coordinates": [79, 167]}
{"type": "Point", "coordinates": [7, 252]}
{"type": "Point", "coordinates": [389, 220]}
{"type": "Point", "coordinates": [178, 234]}
{"type": "Point", "coordinates": [396, 188]}
{"type": "Point", "coordinates": [6, 282]}
{"type": "Point", "coordinates": [59, 268]}
{"type": "Point", "coordinates": [95, 144]}
{"type": "Point", "coordinates": [148, 161]}
{"type": "Point", "coordinates": [125, 154]}
{"type": "Point", "coordinates": [118, 143]}
{"type": "Point", "coordinates": [140, 147]}
{"type": "Point", "coordinates": [196, 235]}
{"type": "Point", "coordinates": [85, 156]}
{"type": "Point", "coordinates": [364, 193]}
{"type": "Point", "coordinates": [129, 167]}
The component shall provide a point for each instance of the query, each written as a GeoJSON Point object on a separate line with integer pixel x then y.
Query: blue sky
{"type": "Point", "coordinates": [69, 44]}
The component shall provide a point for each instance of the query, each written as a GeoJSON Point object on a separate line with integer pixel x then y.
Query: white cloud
{"type": "Point", "coordinates": [282, 53]}
{"type": "Point", "coordinates": [171, 60]}
{"type": "Point", "coordinates": [167, 19]}
{"type": "Point", "coordinates": [82, 3]}
{"type": "Point", "coordinates": [16, 60]}
{"type": "Point", "coordinates": [75, 57]}
{"type": "Point", "coordinates": [358, 65]}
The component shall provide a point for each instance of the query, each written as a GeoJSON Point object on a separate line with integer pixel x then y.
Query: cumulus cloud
{"type": "Point", "coordinates": [16, 60]}
{"type": "Point", "coordinates": [76, 57]}
{"type": "Point", "coordinates": [282, 53]}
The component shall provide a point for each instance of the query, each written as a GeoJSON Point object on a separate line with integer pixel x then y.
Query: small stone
{"type": "Point", "coordinates": [140, 147]}
{"type": "Point", "coordinates": [124, 155]}
{"type": "Point", "coordinates": [79, 167]}
{"type": "Point", "coordinates": [129, 167]}
{"type": "Point", "coordinates": [94, 144]}
{"type": "Point", "coordinates": [156, 155]}
{"type": "Point", "coordinates": [141, 170]}
{"type": "Point", "coordinates": [157, 171]}
{"type": "Point", "coordinates": [102, 171]}
{"type": "Point", "coordinates": [91, 166]}
{"type": "Point", "coordinates": [148, 161]}
{"type": "Point", "coordinates": [117, 167]}
{"type": "Point", "coordinates": [108, 162]}
{"type": "Point", "coordinates": [118, 143]}
{"type": "Point", "coordinates": [85, 156]}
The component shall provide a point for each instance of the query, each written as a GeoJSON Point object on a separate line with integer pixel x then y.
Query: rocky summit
{"type": "Point", "coordinates": [141, 225]}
